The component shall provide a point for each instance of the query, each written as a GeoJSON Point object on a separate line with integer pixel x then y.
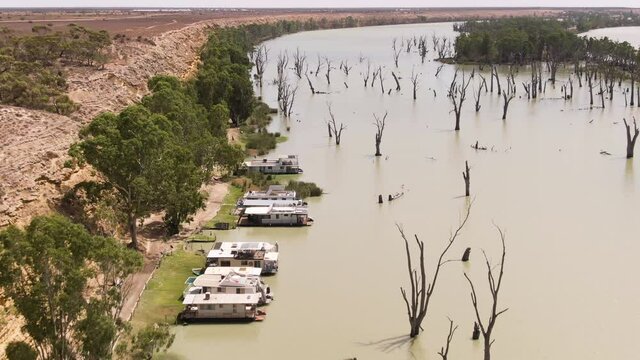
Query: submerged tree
{"type": "Point", "coordinates": [507, 96]}
{"type": "Point", "coordinates": [415, 80]}
{"type": "Point", "coordinates": [486, 328]}
{"type": "Point", "coordinates": [444, 351]}
{"type": "Point", "coordinates": [380, 123]}
{"type": "Point", "coordinates": [299, 62]}
{"type": "Point", "coordinates": [417, 301]}
{"type": "Point", "coordinates": [397, 49]}
{"type": "Point", "coordinates": [457, 95]}
{"type": "Point", "coordinates": [466, 175]}
{"type": "Point", "coordinates": [333, 126]}
{"type": "Point", "coordinates": [260, 59]}
{"type": "Point", "coordinates": [631, 139]}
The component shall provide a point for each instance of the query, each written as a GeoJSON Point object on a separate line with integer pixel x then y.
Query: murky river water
{"type": "Point", "coordinates": [570, 214]}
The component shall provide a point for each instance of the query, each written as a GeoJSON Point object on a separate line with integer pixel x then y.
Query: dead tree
{"type": "Point", "coordinates": [375, 75]}
{"type": "Point", "coordinates": [457, 95]}
{"type": "Point", "coordinates": [494, 73]}
{"type": "Point", "coordinates": [444, 351]}
{"type": "Point", "coordinates": [494, 287]}
{"type": "Point", "coordinates": [409, 45]}
{"type": "Point", "coordinates": [287, 98]}
{"type": "Point", "coordinates": [476, 96]}
{"type": "Point", "coordinates": [439, 69]}
{"type": "Point", "coordinates": [298, 63]}
{"type": "Point", "coordinates": [466, 175]}
{"type": "Point", "coordinates": [396, 80]}
{"type": "Point", "coordinates": [589, 75]}
{"type": "Point", "coordinates": [601, 93]}
{"type": "Point", "coordinates": [328, 73]}
{"type": "Point", "coordinates": [380, 124]}
{"type": "Point", "coordinates": [507, 96]}
{"type": "Point", "coordinates": [333, 126]}
{"type": "Point", "coordinates": [381, 79]}
{"type": "Point", "coordinates": [415, 82]}
{"type": "Point", "coordinates": [417, 301]}
{"type": "Point", "coordinates": [281, 66]}
{"type": "Point", "coordinates": [631, 139]}
{"type": "Point", "coordinates": [422, 48]}
{"type": "Point", "coordinates": [365, 76]}
{"type": "Point", "coordinates": [396, 51]}
{"type": "Point", "coordinates": [261, 58]}
{"type": "Point", "coordinates": [313, 90]}
{"type": "Point", "coordinates": [344, 66]}
{"type": "Point", "coordinates": [319, 66]}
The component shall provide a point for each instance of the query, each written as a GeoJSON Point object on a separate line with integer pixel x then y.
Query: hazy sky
{"type": "Point", "coordinates": [315, 3]}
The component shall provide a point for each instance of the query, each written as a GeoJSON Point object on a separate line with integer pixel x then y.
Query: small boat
{"type": "Point", "coordinates": [196, 271]}
{"type": "Point", "coordinates": [395, 196]}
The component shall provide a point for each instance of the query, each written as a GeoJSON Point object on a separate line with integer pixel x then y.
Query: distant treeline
{"type": "Point", "coordinates": [524, 40]}
{"type": "Point", "coordinates": [31, 73]}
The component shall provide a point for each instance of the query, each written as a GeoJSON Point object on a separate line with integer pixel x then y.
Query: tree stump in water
{"type": "Point", "coordinates": [465, 256]}
{"type": "Point", "coordinates": [380, 201]}
{"type": "Point", "coordinates": [476, 331]}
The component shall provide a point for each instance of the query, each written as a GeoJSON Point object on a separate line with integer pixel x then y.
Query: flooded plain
{"type": "Point", "coordinates": [569, 212]}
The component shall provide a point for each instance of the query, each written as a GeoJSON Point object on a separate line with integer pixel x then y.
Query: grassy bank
{"type": "Point", "coordinates": [225, 214]}
{"type": "Point", "coordinates": [160, 301]}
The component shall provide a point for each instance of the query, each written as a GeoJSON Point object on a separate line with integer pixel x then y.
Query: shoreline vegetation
{"type": "Point", "coordinates": [154, 157]}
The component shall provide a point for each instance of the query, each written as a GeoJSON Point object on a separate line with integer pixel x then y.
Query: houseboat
{"type": "Point", "coordinates": [228, 281]}
{"type": "Point", "coordinates": [261, 255]}
{"type": "Point", "coordinates": [283, 165]}
{"type": "Point", "coordinates": [275, 216]}
{"type": "Point", "coordinates": [208, 306]}
{"type": "Point", "coordinates": [274, 192]}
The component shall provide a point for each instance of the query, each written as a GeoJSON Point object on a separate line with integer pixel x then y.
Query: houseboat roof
{"type": "Point", "coordinates": [258, 210]}
{"type": "Point", "coordinates": [291, 160]}
{"type": "Point", "coordinates": [232, 280]}
{"type": "Point", "coordinates": [221, 298]}
{"type": "Point", "coordinates": [224, 271]}
{"type": "Point", "coordinates": [273, 190]}
{"type": "Point", "coordinates": [244, 251]}
{"type": "Point", "coordinates": [247, 203]}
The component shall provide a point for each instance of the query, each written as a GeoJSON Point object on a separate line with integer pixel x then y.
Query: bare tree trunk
{"type": "Point", "coordinates": [466, 175]}
{"type": "Point", "coordinates": [631, 139]}
{"type": "Point", "coordinates": [444, 351]}
{"type": "Point", "coordinates": [380, 124]}
{"type": "Point", "coordinates": [417, 302]}
{"type": "Point", "coordinates": [494, 288]}
{"type": "Point", "coordinates": [397, 82]}
{"type": "Point", "coordinates": [633, 81]}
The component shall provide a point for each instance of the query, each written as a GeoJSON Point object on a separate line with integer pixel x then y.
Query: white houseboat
{"type": "Point", "coordinates": [274, 192]}
{"type": "Point", "coordinates": [208, 306]}
{"type": "Point", "coordinates": [227, 281]}
{"type": "Point", "coordinates": [261, 255]}
{"type": "Point", "coordinates": [283, 165]}
{"type": "Point", "coordinates": [275, 216]}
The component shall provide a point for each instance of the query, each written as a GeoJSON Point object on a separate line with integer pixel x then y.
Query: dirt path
{"type": "Point", "coordinates": [155, 247]}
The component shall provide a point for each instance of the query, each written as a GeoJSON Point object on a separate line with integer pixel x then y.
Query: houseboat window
{"type": "Point", "coordinates": [270, 167]}
{"type": "Point", "coordinates": [220, 306]}
{"type": "Point", "coordinates": [239, 291]}
{"type": "Point", "coordinates": [220, 290]}
{"type": "Point", "coordinates": [257, 264]}
{"type": "Point", "coordinates": [243, 262]}
{"type": "Point", "coordinates": [277, 216]}
{"type": "Point", "coordinates": [225, 263]}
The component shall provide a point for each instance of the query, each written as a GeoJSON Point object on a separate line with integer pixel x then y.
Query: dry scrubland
{"type": "Point", "coordinates": [33, 144]}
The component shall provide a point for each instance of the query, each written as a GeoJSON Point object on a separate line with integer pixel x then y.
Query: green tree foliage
{"type": "Point", "coordinates": [304, 189]}
{"type": "Point", "coordinates": [525, 40]}
{"type": "Point", "coordinates": [45, 270]}
{"type": "Point", "coordinates": [31, 65]}
{"type": "Point", "coordinates": [20, 350]}
{"type": "Point", "coordinates": [131, 150]}
{"type": "Point", "coordinates": [149, 341]}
